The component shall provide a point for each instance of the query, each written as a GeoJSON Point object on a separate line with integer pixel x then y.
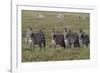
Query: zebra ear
{"type": "Point", "coordinates": [65, 29]}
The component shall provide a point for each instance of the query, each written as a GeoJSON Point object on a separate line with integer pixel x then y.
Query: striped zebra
{"type": "Point", "coordinates": [28, 39]}
{"type": "Point", "coordinates": [42, 39]}
{"type": "Point", "coordinates": [58, 39]}
{"type": "Point", "coordinates": [83, 39]}
{"type": "Point", "coordinates": [75, 39]}
{"type": "Point", "coordinates": [35, 38]}
{"type": "Point", "coordinates": [86, 40]}
{"type": "Point", "coordinates": [72, 39]}
{"type": "Point", "coordinates": [38, 38]}
{"type": "Point", "coordinates": [81, 36]}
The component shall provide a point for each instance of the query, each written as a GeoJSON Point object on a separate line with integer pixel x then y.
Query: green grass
{"type": "Point", "coordinates": [57, 54]}
{"type": "Point", "coordinates": [71, 20]}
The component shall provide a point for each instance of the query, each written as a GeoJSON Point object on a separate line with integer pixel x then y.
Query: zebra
{"type": "Point", "coordinates": [86, 40]}
{"type": "Point", "coordinates": [72, 39]}
{"type": "Point", "coordinates": [83, 38]}
{"type": "Point", "coordinates": [39, 39]}
{"type": "Point", "coordinates": [68, 36]}
{"type": "Point", "coordinates": [33, 38]}
{"type": "Point", "coordinates": [27, 35]}
{"type": "Point", "coordinates": [42, 39]}
{"type": "Point", "coordinates": [58, 39]}
{"type": "Point", "coordinates": [75, 39]}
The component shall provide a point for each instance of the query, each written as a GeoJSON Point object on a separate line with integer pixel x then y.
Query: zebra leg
{"type": "Point", "coordinates": [40, 45]}
{"type": "Point", "coordinates": [33, 46]}
{"type": "Point", "coordinates": [53, 43]}
{"type": "Point", "coordinates": [44, 43]}
{"type": "Point", "coordinates": [81, 43]}
{"type": "Point", "coordinates": [86, 44]}
{"type": "Point", "coordinates": [74, 45]}
{"type": "Point", "coordinates": [78, 44]}
{"type": "Point", "coordinates": [63, 44]}
{"type": "Point", "coordinates": [70, 45]}
{"type": "Point", "coordinates": [26, 42]}
{"type": "Point", "coordinates": [66, 43]}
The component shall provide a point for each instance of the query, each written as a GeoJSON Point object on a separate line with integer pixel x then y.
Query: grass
{"type": "Point", "coordinates": [73, 21]}
{"type": "Point", "coordinates": [57, 54]}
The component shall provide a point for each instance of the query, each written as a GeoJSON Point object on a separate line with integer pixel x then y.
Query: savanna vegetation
{"type": "Point", "coordinates": [47, 20]}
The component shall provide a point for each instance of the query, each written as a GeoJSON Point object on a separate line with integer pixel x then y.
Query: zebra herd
{"type": "Point", "coordinates": [68, 39]}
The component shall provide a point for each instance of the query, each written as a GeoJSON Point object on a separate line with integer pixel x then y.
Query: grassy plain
{"type": "Point", "coordinates": [47, 21]}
